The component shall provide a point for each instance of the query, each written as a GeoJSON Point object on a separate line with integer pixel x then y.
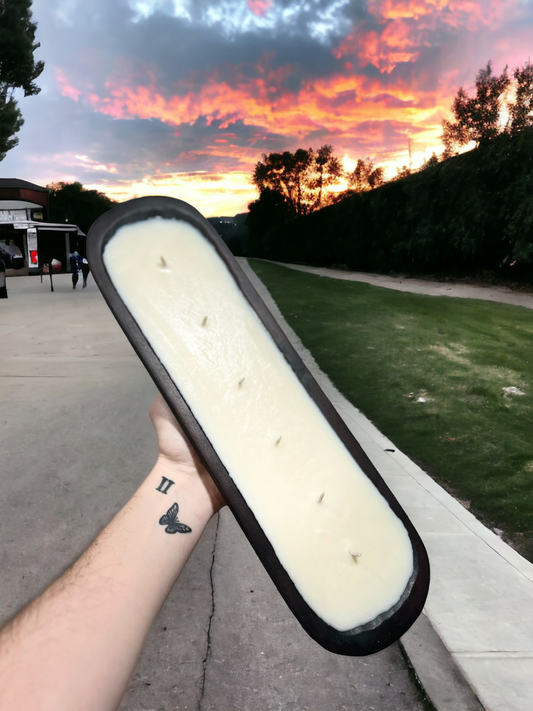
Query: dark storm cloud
{"type": "Point", "coordinates": [134, 147]}
{"type": "Point", "coordinates": [101, 41]}
{"type": "Point", "coordinates": [99, 44]}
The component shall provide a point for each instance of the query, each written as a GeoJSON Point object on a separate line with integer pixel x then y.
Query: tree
{"type": "Point", "coordinates": [365, 176]}
{"type": "Point", "coordinates": [285, 173]}
{"type": "Point", "coordinates": [521, 110]}
{"type": "Point", "coordinates": [403, 172]}
{"type": "Point", "coordinates": [266, 220]}
{"type": "Point", "coordinates": [10, 122]}
{"type": "Point", "coordinates": [477, 118]}
{"type": "Point", "coordinates": [18, 68]}
{"type": "Point", "coordinates": [302, 178]}
{"type": "Point", "coordinates": [328, 171]}
{"type": "Point", "coordinates": [430, 162]}
{"type": "Point", "coordinates": [71, 202]}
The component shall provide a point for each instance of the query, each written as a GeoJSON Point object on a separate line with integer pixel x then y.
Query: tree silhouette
{"type": "Point", "coordinates": [365, 176]}
{"type": "Point", "coordinates": [431, 161]}
{"type": "Point", "coordinates": [328, 171]}
{"type": "Point", "coordinates": [477, 118]}
{"type": "Point", "coordinates": [285, 173]}
{"type": "Point", "coordinates": [18, 68]}
{"type": "Point", "coordinates": [302, 178]}
{"type": "Point", "coordinates": [521, 110]}
{"type": "Point", "coordinates": [71, 202]}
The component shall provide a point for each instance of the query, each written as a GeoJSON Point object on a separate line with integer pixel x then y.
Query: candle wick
{"type": "Point", "coordinates": [241, 381]}
{"type": "Point", "coordinates": [278, 441]}
{"type": "Point", "coordinates": [163, 263]}
{"type": "Point", "coordinates": [204, 321]}
{"type": "Point", "coordinates": [355, 555]}
{"type": "Point", "coordinates": [321, 497]}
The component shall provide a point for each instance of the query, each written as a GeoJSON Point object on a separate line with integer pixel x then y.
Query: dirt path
{"type": "Point", "coordinates": [501, 294]}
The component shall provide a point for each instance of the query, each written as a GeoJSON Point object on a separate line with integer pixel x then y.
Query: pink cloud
{"type": "Point", "coordinates": [65, 88]}
{"type": "Point", "coordinates": [259, 7]}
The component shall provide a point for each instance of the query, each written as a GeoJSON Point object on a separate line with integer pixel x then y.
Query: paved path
{"type": "Point", "coordinates": [481, 595]}
{"type": "Point", "coordinates": [501, 294]}
{"type": "Point", "coordinates": [75, 442]}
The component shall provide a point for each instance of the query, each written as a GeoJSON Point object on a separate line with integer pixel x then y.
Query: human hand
{"type": "Point", "coordinates": [113, 592]}
{"type": "Point", "coordinates": [177, 454]}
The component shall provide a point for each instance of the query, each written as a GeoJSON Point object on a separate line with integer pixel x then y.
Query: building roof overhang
{"type": "Point", "coordinates": [18, 184]}
{"type": "Point", "coordinates": [43, 226]}
{"type": "Point", "coordinates": [18, 204]}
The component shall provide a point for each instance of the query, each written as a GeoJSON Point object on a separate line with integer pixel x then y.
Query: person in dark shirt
{"type": "Point", "coordinates": [85, 269]}
{"type": "Point", "coordinates": [75, 264]}
{"type": "Point", "coordinates": [4, 263]}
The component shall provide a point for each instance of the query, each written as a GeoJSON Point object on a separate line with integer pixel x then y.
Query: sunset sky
{"type": "Point", "coordinates": [181, 97]}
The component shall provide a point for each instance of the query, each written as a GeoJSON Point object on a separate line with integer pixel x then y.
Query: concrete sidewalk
{"type": "Point", "coordinates": [75, 442]}
{"type": "Point", "coordinates": [481, 596]}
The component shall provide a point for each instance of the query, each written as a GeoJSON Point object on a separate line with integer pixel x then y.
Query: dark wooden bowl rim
{"type": "Point", "coordinates": [366, 639]}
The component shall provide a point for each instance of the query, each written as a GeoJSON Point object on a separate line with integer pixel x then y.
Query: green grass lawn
{"type": "Point", "coordinates": [430, 372]}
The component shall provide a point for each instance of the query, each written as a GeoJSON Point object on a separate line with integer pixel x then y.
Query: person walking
{"type": "Point", "coordinates": [85, 270]}
{"type": "Point", "coordinates": [75, 262]}
{"type": "Point", "coordinates": [4, 261]}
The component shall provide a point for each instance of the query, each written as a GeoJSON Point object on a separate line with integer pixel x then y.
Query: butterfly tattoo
{"type": "Point", "coordinates": [170, 520]}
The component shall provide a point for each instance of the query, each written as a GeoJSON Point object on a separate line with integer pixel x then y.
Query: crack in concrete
{"type": "Point", "coordinates": [211, 615]}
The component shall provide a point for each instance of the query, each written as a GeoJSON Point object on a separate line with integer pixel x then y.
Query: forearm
{"type": "Point", "coordinates": [76, 646]}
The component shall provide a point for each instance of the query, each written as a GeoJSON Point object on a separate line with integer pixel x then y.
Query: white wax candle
{"type": "Point", "coordinates": [346, 551]}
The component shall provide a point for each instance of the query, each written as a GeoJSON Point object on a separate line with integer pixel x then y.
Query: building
{"type": "Point", "coordinates": [27, 236]}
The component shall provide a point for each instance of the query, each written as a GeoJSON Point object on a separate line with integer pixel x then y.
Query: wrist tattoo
{"type": "Point", "coordinates": [170, 520]}
{"type": "Point", "coordinates": [165, 485]}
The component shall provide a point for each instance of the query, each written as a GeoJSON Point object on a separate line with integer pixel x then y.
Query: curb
{"type": "Point", "coordinates": [436, 671]}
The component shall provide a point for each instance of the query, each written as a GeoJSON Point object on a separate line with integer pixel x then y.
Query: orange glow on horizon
{"type": "Point", "coordinates": [211, 194]}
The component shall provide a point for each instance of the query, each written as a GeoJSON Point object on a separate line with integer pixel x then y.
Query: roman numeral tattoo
{"type": "Point", "coordinates": [165, 485]}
